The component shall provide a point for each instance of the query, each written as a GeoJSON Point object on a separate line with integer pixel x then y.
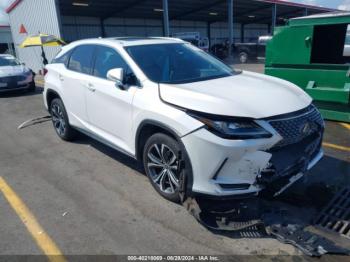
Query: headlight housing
{"type": "Point", "coordinates": [28, 72]}
{"type": "Point", "coordinates": [232, 128]}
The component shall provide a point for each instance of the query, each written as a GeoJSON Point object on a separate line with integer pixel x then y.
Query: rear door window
{"type": "Point", "coordinates": [81, 59]}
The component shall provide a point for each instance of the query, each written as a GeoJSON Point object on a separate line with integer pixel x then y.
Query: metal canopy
{"type": "Point", "coordinates": [244, 11]}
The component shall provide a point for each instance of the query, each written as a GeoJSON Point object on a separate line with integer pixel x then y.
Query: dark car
{"type": "Point", "coordinates": [252, 51]}
{"type": "Point", "coordinates": [14, 75]}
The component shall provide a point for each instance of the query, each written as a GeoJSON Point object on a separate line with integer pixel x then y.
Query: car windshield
{"type": "Point", "coordinates": [8, 61]}
{"type": "Point", "coordinates": [177, 63]}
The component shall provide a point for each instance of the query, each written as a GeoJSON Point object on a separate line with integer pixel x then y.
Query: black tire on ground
{"type": "Point", "coordinates": [169, 147]}
{"type": "Point", "coordinates": [243, 57]}
{"type": "Point", "coordinates": [60, 120]}
{"type": "Point", "coordinates": [32, 87]}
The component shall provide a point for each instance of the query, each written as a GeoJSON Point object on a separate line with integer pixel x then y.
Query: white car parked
{"type": "Point", "coordinates": [198, 126]}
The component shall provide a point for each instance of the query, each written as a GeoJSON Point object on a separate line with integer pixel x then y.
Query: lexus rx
{"type": "Point", "coordinates": [197, 125]}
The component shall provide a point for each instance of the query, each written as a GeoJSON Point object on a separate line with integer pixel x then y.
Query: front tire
{"type": "Point", "coordinates": [60, 120]}
{"type": "Point", "coordinates": [161, 163]}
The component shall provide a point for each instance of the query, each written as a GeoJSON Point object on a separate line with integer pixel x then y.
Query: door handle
{"type": "Point", "coordinates": [61, 77]}
{"type": "Point", "coordinates": [90, 87]}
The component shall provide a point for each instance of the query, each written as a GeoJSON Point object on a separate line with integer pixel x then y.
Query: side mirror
{"type": "Point", "coordinates": [116, 75]}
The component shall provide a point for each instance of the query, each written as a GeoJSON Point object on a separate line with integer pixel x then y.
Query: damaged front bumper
{"type": "Point", "coordinates": [224, 168]}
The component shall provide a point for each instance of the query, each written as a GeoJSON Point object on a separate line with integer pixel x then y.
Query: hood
{"type": "Point", "coordinates": [244, 95]}
{"type": "Point", "coordinates": [12, 70]}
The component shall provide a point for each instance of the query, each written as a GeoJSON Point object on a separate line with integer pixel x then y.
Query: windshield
{"type": "Point", "coordinates": [177, 63]}
{"type": "Point", "coordinates": [8, 61]}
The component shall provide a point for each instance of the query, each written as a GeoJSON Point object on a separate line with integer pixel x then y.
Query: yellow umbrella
{"type": "Point", "coordinates": [42, 40]}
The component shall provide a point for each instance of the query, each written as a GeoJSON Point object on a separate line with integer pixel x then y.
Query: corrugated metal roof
{"type": "Point", "coordinates": [245, 11]}
{"type": "Point", "coordinates": [185, 9]}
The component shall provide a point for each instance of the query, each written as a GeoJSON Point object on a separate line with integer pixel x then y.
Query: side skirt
{"type": "Point", "coordinates": [105, 142]}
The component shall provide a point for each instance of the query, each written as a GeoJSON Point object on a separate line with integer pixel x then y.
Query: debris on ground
{"type": "Point", "coordinates": [258, 217]}
{"type": "Point", "coordinates": [288, 229]}
{"type": "Point", "coordinates": [34, 121]}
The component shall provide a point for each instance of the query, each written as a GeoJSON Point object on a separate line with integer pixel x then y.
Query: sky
{"type": "Point", "coordinates": [340, 4]}
{"type": "Point", "coordinates": [3, 15]}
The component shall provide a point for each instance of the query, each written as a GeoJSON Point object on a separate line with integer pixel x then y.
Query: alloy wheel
{"type": "Point", "coordinates": [58, 119]}
{"type": "Point", "coordinates": [162, 164]}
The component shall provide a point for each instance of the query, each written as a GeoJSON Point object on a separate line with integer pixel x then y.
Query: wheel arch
{"type": "Point", "coordinates": [50, 96]}
{"type": "Point", "coordinates": [146, 129]}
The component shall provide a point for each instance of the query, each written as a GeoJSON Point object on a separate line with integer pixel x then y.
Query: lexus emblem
{"type": "Point", "coordinates": [306, 129]}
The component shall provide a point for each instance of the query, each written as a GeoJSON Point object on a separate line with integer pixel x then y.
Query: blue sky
{"type": "Point", "coordinates": [341, 4]}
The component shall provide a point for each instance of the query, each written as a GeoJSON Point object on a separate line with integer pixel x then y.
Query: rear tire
{"type": "Point", "coordinates": [160, 160]}
{"type": "Point", "coordinates": [60, 120]}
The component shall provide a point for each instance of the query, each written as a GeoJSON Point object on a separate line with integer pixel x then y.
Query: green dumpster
{"type": "Point", "coordinates": [313, 53]}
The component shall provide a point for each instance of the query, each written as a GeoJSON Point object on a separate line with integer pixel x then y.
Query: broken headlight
{"type": "Point", "coordinates": [232, 128]}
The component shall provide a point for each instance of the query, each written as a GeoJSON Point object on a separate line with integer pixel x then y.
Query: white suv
{"type": "Point", "coordinates": [198, 126]}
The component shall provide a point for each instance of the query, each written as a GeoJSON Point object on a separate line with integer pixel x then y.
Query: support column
{"type": "Point", "coordinates": [230, 26]}
{"type": "Point", "coordinates": [209, 33]}
{"type": "Point", "coordinates": [102, 26]}
{"type": "Point", "coordinates": [166, 30]}
{"type": "Point", "coordinates": [274, 18]}
{"type": "Point", "coordinates": [242, 33]}
{"type": "Point", "coordinates": [306, 12]}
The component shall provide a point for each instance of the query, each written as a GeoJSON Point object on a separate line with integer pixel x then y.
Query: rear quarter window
{"type": "Point", "coordinates": [62, 59]}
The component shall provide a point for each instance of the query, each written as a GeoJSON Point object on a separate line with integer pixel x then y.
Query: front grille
{"type": "Point", "coordinates": [235, 186]}
{"type": "Point", "coordinates": [296, 127]}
